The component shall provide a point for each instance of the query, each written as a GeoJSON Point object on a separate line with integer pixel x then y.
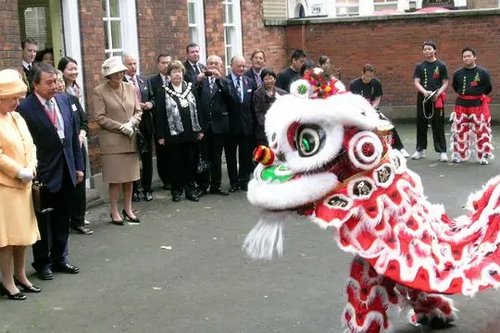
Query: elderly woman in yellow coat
{"type": "Point", "coordinates": [18, 226]}
{"type": "Point", "coordinates": [118, 113]}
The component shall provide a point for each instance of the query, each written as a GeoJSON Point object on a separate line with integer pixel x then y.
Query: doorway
{"type": "Point", "coordinates": [42, 21]}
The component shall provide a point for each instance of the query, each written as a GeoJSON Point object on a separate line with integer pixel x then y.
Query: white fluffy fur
{"type": "Point", "coordinates": [305, 189]}
{"type": "Point", "coordinates": [266, 237]}
{"type": "Point", "coordinates": [332, 114]}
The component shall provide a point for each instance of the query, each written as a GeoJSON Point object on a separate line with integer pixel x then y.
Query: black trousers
{"type": "Point", "coordinates": [397, 143]}
{"type": "Point", "coordinates": [245, 145]}
{"type": "Point", "coordinates": [185, 161]}
{"type": "Point", "coordinates": [79, 201]}
{"type": "Point", "coordinates": [147, 166]}
{"type": "Point", "coordinates": [163, 164]}
{"type": "Point", "coordinates": [436, 117]}
{"type": "Point", "coordinates": [52, 248]}
{"type": "Point", "coordinates": [211, 150]}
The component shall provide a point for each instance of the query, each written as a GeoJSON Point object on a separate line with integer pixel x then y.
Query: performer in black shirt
{"type": "Point", "coordinates": [471, 119]}
{"type": "Point", "coordinates": [431, 80]}
{"type": "Point", "coordinates": [370, 88]}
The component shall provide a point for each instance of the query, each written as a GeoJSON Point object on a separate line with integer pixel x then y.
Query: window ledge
{"type": "Point", "coordinates": [368, 18]}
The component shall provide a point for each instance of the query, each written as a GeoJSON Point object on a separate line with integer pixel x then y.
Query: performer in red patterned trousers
{"type": "Point", "coordinates": [471, 119]}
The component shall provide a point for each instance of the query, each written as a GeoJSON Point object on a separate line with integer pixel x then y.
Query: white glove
{"type": "Point", "coordinates": [127, 129]}
{"type": "Point", "coordinates": [25, 175]}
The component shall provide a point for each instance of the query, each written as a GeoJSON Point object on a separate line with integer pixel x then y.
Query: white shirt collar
{"type": "Point", "coordinates": [26, 64]}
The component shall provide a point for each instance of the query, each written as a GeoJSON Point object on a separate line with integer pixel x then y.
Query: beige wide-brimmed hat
{"type": "Point", "coordinates": [112, 65]}
{"type": "Point", "coordinates": [11, 84]}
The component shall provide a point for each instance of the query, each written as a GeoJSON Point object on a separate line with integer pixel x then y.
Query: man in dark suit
{"type": "Point", "coordinates": [192, 65]}
{"type": "Point", "coordinates": [146, 126]}
{"type": "Point", "coordinates": [157, 82]}
{"type": "Point", "coordinates": [258, 63]}
{"type": "Point", "coordinates": [30, 47]}
{"type": "Point", "coordinates": [60, 166]}
{"type": "Point", "coordinates": [214, 96]}
{"type": "Point", "coordinates": [241, 125]}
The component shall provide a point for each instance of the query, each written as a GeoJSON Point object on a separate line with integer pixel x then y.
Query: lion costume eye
{"type": "Point", "coordinates": [309, 140]}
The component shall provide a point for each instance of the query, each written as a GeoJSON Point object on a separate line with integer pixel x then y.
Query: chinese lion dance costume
{"type": "Point", "coordinates": [327, 160]}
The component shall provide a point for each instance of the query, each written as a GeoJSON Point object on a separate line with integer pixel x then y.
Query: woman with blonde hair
{"type": "Point", "coordinates": [18, 226]}
{"type": "Point", "coordinates": [118, 113]}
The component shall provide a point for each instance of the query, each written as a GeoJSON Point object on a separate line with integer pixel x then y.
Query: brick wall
{"type": "Point", "coordinates": [257, 36]}
{"type": "Point", "coordinates": [162, 27]}
{"type": "Point", "coordinates": [394, 47]}
{"type": "Point", "coordinates": [10, 38]}
{"type": "Point", "coordinates": [93, 45]}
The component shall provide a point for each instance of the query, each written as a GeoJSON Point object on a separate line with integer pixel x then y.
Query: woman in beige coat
{"type": "Point", "coordinates": [18, 226]}
{"type": "Point", "coordinates": [118, 113]}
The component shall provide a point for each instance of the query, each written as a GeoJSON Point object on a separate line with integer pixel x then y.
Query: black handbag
{"type": "Point", "coordinates": [203, 165]}
{"type": "Point", "coordinates": [40, 194]}
{"type": "Point", "coordinates": [142, 146]}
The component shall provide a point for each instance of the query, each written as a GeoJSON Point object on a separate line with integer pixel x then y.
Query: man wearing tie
{"type": "Point", "coordinates": [146, 127]}
{"type": "Point", "coordinates": [30, 47]}
{"type": "Point", "coordinates": [156, 82]}
{"type": "Point", "coordinates": [60, 167]}
{"type": "Point", "coordinates": [258, 63]}
{"type": "Point", "coordinates": [214, 95]}
{"type": "Point", "coordinates": [241, 125]}
{"type": "Point", "coordinates": [192, 65]}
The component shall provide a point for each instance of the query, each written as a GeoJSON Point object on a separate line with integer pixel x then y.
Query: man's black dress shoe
{"type": "Point", "coordinates": [176, 197]}
{"type": "Point", "coordinates": [82, 230]}
{"type": "Point", "coordinates": [45, 275]}
{"type": "Point", "coordinates": [27, 289]}
{"type": "Point", "coordinates": [218, 191]}
{"type": "Point", "coordinates": [136, 197]}
{"type": "Point", "coordinates": [66, 268]}
{"type": "Point", "coordinates": [148, 196]}
{"type": "Point", "coordinates": [16, 297]}
{"type": "Point", "coordinates": [201, 191]}
{"type": "Point", "coordinates": [233, 188]}
{"type": "Point", "coordinates": [244, 187]}
{"type": "Point", "coordinates": [192, 197]}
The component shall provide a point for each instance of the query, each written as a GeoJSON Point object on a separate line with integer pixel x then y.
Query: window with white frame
{"type": "Point", "coordinates": [197, 25]}
{"type": "Point", "coordinates": [232, 29]}
{"type": "Point", "coordinates": [120, 37]}
{"type": "Point", "coordinates": [347, 8]}
{"type": "Point", "coordinates": [385, 4]}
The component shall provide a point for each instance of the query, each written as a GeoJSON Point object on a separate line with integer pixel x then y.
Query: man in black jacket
{"type": "Point", "coordinates": [192, 65]}
{"type": "Point", "coordinates": [156, 82]}
{"type": "Point", "coordinates": [241, 125]}
{"type": "Point", "coordinates": [146, 127]}
{"type": "Point", "coordinates": [213, 93]}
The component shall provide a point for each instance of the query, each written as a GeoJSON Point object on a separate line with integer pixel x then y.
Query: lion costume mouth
{"type": "Point", "coordinates": [271, 187]}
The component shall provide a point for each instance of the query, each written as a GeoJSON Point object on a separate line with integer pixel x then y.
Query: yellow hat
{"type": "Point", "coordinates": [112, 65]}
{"type": "Point", "coordinates": [11, 84]}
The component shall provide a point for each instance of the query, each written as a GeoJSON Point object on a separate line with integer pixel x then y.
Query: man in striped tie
{"type": "Point", "coordinates": [144, 96]}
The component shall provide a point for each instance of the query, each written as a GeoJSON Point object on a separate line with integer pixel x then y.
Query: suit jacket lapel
{"type": "Point", "coordinates": [40, 112]}
{"type": "Point", "coordinates": [115, 97]}
{"type": "Point", "coordinates": [65, 116]}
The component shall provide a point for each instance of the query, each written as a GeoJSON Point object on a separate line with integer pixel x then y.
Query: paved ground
{"type": "Point", "coordinates": [202, 282]}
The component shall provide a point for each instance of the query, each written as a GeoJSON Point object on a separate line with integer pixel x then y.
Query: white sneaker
{"type": "Point", "coordinates": [443, 157]}
{"type": "Point", "coordinates": [418, 154]}
{"type": "Point", "coordinates": [457, 159]}
{"type": "Point", "coordinates": [404, 153]}
{"type": "Point", "coordinates": [86, 222]}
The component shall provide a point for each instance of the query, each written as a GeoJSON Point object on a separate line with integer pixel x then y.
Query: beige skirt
{"type": "Point", "coordinates": [120, 168]}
